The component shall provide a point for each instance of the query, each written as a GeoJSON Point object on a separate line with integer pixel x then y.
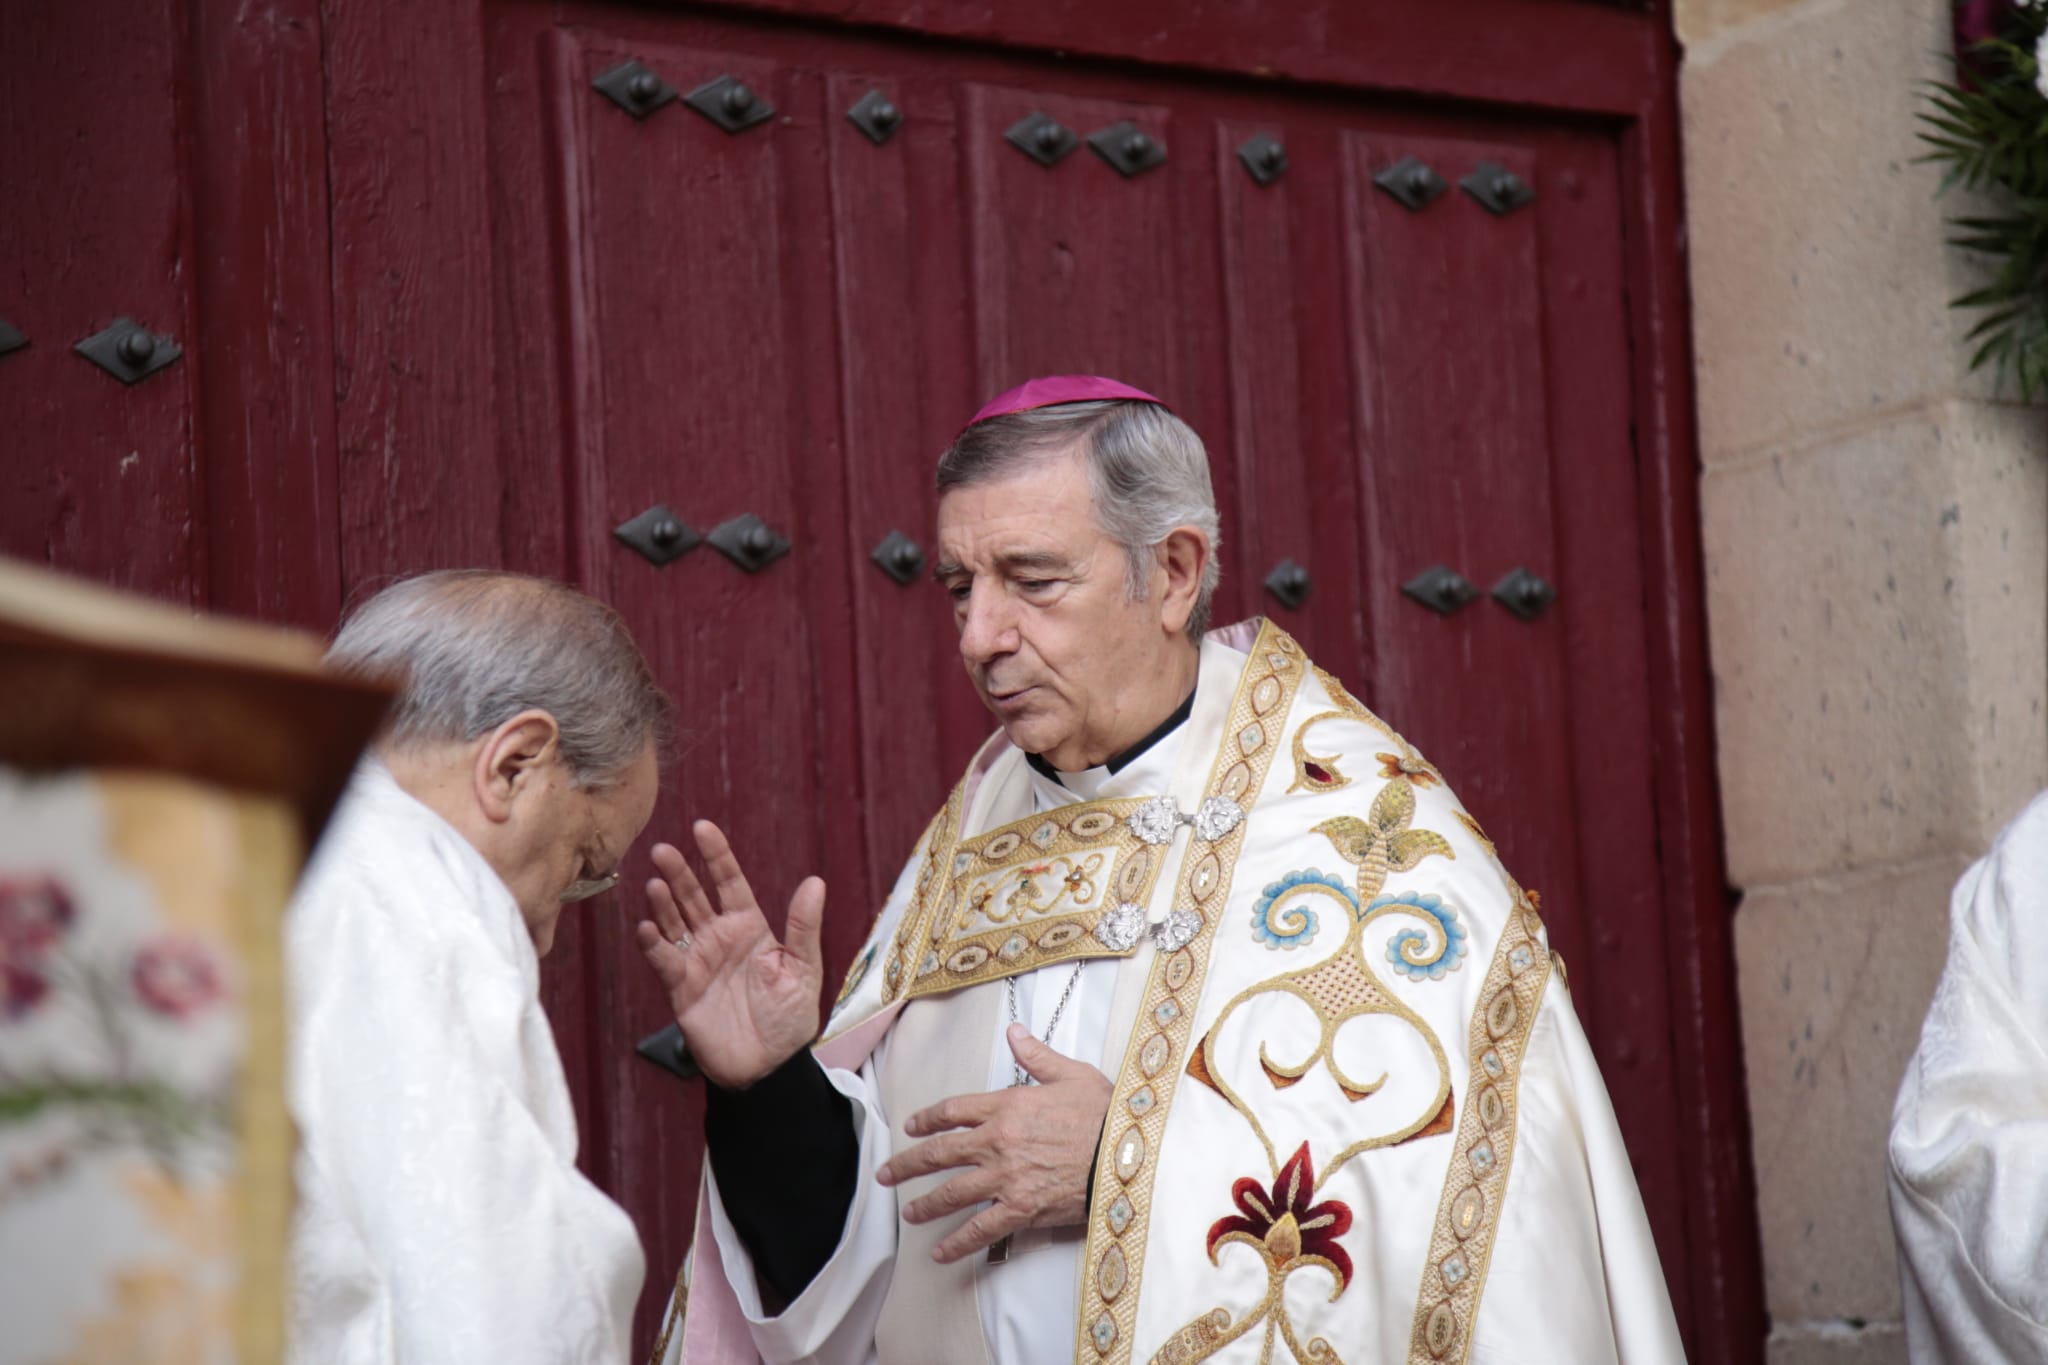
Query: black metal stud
{"type": "Point", "coordinates": [730, 103]}
{"type": "Point", "coordinates": [876, 115]}
{"type": "Point", "coordinates": [1264, 157]}
{"type": "Point", "coordinates": [635, 89]}
{"type": "Point", "coordinates": [1289, 583]}
{"type": "Point", "coordinates": [1524, 594]}
{"type": "Point", "coordinates": [669, 1050]}
{"type": "Point", "coordinates": [11, 338]}
{"type": "Point", "coordinates": [659, 535]}
{"type": "Point", "coordinates": [1043, 138]}
{"type": "Point", "coordinates": [748, 542]}
{"type": "Point", "coordinates": [129, 351]}
{"type": "Point", "coordinates": [1498, 189]}
{"type": "Point", "coordinates": [1412, 183]}
{"type": "Point", "coordinates": [900, 557]}
{"type": "Point", "coordinates": [1440, 589]}
{"type": "Point", "coordinates": [1129, 148]}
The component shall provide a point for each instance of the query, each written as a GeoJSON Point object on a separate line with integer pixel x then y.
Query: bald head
{"type": "Point", "coordinates": [471, 649]}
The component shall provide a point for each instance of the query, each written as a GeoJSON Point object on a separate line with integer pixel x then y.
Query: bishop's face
{"type": "Point", "coordinates": [1070, 665]}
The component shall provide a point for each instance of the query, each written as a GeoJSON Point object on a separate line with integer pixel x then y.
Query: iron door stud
{"type": "Point", "coordinates": [899, 556]}
{"type": "Point", "coordinates": [635, 88]}
{"type": "Point", "coordinates": [659, 535]}
{"type": "Point", "coordinates": [129, 351]}
{"type": "Point", "coordinates": [1443, 590]}
{"type": "Point", "coordinates": [730, 103]}
{"type": "Point", "coordinates": [1043, 138]}
{"type": "Point", "coordinates": [748, 542]}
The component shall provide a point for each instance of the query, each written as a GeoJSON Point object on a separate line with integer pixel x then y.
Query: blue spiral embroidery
{"type": "Point", "coordinates": [1296, 924]}
{"type": "Point", "coordinates": [1411, 951]}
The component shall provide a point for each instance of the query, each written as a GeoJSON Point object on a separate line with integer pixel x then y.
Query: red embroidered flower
{"type": "Point", "coordinates": [176, 977]}
{"type": "Point", "coordinates": [34, 913]}
{"type": "Point", "coordinates": [1284, 1222]}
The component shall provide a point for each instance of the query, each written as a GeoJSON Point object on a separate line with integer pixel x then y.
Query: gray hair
{"type": "Point", "coordinates": [472, 648]}
{"type": "Point", "coordinates": [1147, 470]}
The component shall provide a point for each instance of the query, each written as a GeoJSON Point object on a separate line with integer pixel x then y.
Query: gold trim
{"type": "Point", "coordinates": [1447, 1303]}
{"type": "Point", "coordinates": [1153, 1059]}
{"type": "Point", "coordinates": [1029, 894]}
{"type": "Point", "coordinates": [910, 929]}
{"type": "Point", "coordinates": [678, 1304]}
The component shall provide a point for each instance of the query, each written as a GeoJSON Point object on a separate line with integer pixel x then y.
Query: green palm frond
{"type": "Point", "coordinates": [1992, 138]}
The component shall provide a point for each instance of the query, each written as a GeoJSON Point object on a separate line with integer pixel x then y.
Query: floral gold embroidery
{"type": "Point", "coordinates": [1315, 772]}
{"type": "Point", "coordinates": [1382, 842]}
{"type": "Point", "coordinates": [1339, 989]}
{"type": "Point", "coordinates": [1125, 1171]}
{"type": "Point", "coordinates": [1289, 1231]}
{"type": "Point", "coordinates": [1410, 767]}
{"type": "Point", "coordinates": [1279, 924]}
{"type": "Point", "coordinates": [1472, 828]}
{"type": "Point", "coordinates": [1027, 895]}
{"type": "Point", "coordinates": [1469, 1209]}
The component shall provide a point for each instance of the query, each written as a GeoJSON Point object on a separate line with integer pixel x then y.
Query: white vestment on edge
{"type": "Point", "coordinates": [1969, 1142]}
{"type": "Point", "coordinates": [441, 1218]}
{"type": "Point", "coordinates": [1319, 1096]}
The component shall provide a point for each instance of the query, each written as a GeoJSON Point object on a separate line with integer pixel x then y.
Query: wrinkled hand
{"type": "Point", "coordinates": [1028, 1148]}
{"type": "Point", "coordinates": [744, 1001]}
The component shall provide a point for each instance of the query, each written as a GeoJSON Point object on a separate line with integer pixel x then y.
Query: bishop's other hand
{"type": "Point", "coordinates": [744, 1000]}
{"type": "Point", "coordinates": [1025, 1151]}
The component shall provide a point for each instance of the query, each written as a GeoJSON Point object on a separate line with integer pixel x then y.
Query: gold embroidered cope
{"type": "Point", "coordinates": [1152, 1066]}
{"type": "Point", "coordinates": [1461, 1247]}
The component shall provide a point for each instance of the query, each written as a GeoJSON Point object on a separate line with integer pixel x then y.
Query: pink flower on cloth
{"type": "Point", "coordinates": [35, 912]}
{"type": "Point", "coordinates": [176, 977]}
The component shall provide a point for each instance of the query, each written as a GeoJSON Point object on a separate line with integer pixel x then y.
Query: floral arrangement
{"type": "Point", "coordinates": [1990, 128]}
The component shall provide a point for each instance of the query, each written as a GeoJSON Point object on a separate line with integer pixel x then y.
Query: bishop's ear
{"type": "Point", "coordinates": [511, 760]}
{"type": "Point", "coordinates": [1183, 556]}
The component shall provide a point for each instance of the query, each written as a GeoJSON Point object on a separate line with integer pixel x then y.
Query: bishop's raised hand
{"type": "Point", "coordinates": [745, 1000]}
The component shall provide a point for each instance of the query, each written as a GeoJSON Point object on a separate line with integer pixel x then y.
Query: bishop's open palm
{"type": "Point", "coordinates": [745, 1001]}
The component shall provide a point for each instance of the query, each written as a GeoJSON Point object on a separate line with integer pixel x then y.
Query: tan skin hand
{"type": "Point", "coordinates": [745, 1001]}
{"type": "Point", "coordinates": [1028, 1148]}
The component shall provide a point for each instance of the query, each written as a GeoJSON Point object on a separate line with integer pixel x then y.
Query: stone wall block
{"type": "Point", "coordinates": [1820, 275]}
{"type": "Point", "coordinates": [1997, 523]}
{"type": "Point", "coordinates": [1838, 1344]}
{"type": "Point", "coordinates": [1835, 975]}
{"type": "Point", "coordinates": [1838, 648]}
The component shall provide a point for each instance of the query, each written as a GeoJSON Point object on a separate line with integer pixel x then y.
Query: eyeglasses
{"type": "Point", "coordinates": [583, 888]}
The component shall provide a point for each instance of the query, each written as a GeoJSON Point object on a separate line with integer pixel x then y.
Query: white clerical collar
{"type": "Point", "coordinates": [1143, 770]}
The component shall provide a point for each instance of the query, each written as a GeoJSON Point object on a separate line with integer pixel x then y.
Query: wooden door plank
{"type": "Point", "coordinates": [1295, 479]}
{"type": "Point", "coordinates": [1621, 991]}
{"type": "Point", "coordinates": [415, 371]}
{"type": "Point", "coordinates": [906, 383]}
{"type": "Point", "coordinates": [1063, 254]}
{"type": "Point", "coordinates": [701, 304]}
{"type": "Point", "coordinates": [100, 475]}
{"type": "Point", "coordinates": [1454, 461]}
{"type": "Point", "coordinates": [265, 310]}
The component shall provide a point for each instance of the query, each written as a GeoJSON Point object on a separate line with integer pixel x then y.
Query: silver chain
{"type": "Point", "coordinates": [1023, 1078]}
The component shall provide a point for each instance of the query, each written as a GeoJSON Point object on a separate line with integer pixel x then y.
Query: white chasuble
{"type": "Point", "coordinates": [1969, 1140]}
{"type": "Point", "coordinates": [441, 1219]}
{"type": "Point", "coordinates": [1354, 1116]}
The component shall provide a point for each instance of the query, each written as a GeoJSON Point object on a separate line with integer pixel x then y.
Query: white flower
{"type": "Point", "coordinates": [2041, 63]}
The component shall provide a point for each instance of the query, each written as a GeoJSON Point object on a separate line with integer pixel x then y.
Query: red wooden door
{"type": "Point", "coordinates": [790, 320]}
{"type": "Point", "coordinates": [443, 303]}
